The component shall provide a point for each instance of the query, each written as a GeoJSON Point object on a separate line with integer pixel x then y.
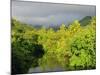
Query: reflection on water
{"type": "Point", "coordinates": [38, 69]}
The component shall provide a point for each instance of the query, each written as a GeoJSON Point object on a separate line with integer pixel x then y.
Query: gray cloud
{"type": "Point", "coordinates": [49, 13]}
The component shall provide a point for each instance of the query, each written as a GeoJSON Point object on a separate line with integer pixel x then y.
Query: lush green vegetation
{"type": "Point", "coordinates": [72, 47]}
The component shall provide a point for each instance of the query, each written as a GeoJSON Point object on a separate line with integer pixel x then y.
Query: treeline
{"type": "Point", "coordinates": [72, 48]}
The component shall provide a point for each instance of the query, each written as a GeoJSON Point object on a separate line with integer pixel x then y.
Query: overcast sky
{"type": "Point", "coordinates": [37, 13]}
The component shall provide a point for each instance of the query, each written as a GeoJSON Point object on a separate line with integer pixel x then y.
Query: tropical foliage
{"type": "Point", "coordinates": [71, 47]}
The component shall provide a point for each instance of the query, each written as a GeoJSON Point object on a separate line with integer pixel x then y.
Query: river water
{"type": "Point", "coordinates": [38, 69]}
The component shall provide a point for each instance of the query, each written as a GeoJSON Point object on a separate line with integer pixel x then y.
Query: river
{"type": "Point", "coordinates": [38, 69]}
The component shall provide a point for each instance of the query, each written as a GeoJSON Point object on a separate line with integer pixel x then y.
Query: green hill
{"type": "Point", "coordinates": [85, 21]}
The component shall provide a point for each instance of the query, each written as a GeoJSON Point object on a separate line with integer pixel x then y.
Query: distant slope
{"type": "Point", "coordinates": [85, 21]}
{"type": "Point", "coordinates": [22, 26]}
{"type": "Point", "coordinates": [17, 25]}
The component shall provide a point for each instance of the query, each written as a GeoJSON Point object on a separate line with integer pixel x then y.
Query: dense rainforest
{"type": "Point", "coordinates": [71, 47]}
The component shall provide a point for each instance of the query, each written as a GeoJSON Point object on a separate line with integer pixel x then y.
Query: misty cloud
{"type": "Point", "coordinates": [37, 13]}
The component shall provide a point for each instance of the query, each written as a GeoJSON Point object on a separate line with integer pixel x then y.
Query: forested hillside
{"type": "Point", "coordinates": [72, 47]}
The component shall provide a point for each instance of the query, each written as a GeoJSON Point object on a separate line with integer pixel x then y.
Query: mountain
{"type": "Point", "coordinates": [15, 23]}
{"type": "Point", "coordinates": [85, 21]}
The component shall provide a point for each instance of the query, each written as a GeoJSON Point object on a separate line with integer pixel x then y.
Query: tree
{"type": "Point", "coordinates": [83, 48]}
{"type": "Point", "coordinates": [25, 48]}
